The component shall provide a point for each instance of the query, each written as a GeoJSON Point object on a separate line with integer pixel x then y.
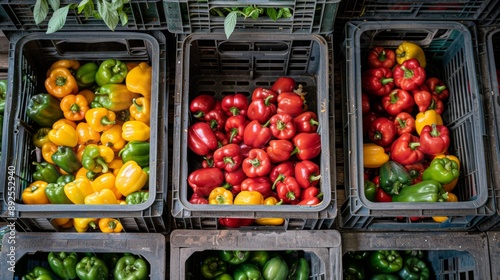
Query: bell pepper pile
{"type": "Point", "coordinates": [91, 266]}
{"type": "Point", "coordinates": [257, 150]}
{"type": "Point", "coordinates": [92, 129]}
{"type": "Point", "coordinates": [386, 265]}
{"type": "Point", "coordinates": [263, 265]}
{"type": "Point", "coordinates": [405, 140]}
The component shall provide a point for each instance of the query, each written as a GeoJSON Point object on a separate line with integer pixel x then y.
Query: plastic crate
{"type": "Point", "coordinates": [142, 15]}
{"type": "Point", "coordinates": [31, 55]}
{"type": "Point", "coordinates": [494, 249]}
{"type": "Point", "coordinates": [30, 249]}
{"type": "Point", "coordinates": [321, 248]}
{"type": "Point", "coordinates": [451, 255]}
{"type": "Point", "coordinates": [192, 16]}
{"type": "Point", "coordinates": [209, 64]}
{"type": "Point", "coordinates": [412, 10]}
{"type": "Point", "coordinates": [450, 57]}
{"type": "Point", "coordinates": [491, 14]}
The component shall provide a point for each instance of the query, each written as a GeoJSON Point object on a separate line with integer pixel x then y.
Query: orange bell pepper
{"type": "Point", "coordinates": [35, 193]}
{"type": "Point", "coordinates": [106, 181]}
{"type": "Point", "coordinates": [77, 190]}
{"type": "Point", "coordinates": [138, 80]}
{"type": "Point", "coordinates": [80, 148]}
{"type": "Point", "coordinates": [112, 138]}
{"type": "Point", "coordinates": [64, 63]}
{"type": "Point", "coordinates": [64, 222]}
{"type": "Point", "coordinates": [108, 225]}
{"type": "Point", "coordinates": [130, 178]}
{"type": "Point", "coordinates": [48, 149]}
{"type": "Point", "coordinates": [100, 119]}
{"type": "Point", "coordinates": [61, 83]}
{"type": "Point", "coordinates": [63, 135]}
{"type": "Point", "coordinates": [104, 196]}
{"type": "Point", "coordinates": [451, 185]}
{"type": "Point", "coordinates": [74, 107]}
{"type": "Point", "coordinates": [220, 195]}
{"type": "Point", "coordinates": [86, 135]}
{"type": "Point", "coordinates": [135, 131]}
{"type": "Point", "coordinates": [89, 95]}
{"type": "Point", "coordinates": [140, 110]}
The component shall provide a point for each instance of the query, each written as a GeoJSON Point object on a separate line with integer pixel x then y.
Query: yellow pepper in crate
{"type": "Point", "coordinates": [130, 178]}
{"type": "Point", "coordinates": [139, 79]}
{"type": "Point", "coordinates": [74, 107]}
{"type": "Point", "coordinates": [451, 198]}
{"type": "Point", "coordinates": [113, 138]}
{"type": "Point", "coordinates": [104, 196]}
{"type": "Point", "coordinates": [141, 109]}
{"type": "Point", "coordinates": [64, 63]}
{"type": "Point", "coordinates": [100, 119]}
{"type": "Point", "coordinates": [106, 181]}
{"type": "Point", "coordinates": [35, 193]}
{"type": "Point", "coordinates": [220, 195]}
{"type": "Point", "coordinates": [86, 135]}
{"type": "Point", "coordinates": [428, 117]}
{"type": "Point", "coordinates": [408, 50]}
{"type": "Point", "coordinates": [60, 83]}
{"type": "Point", "coordinates": [374, 155]}
{"type": "Point", "coordinates": [108, 225]}
{"type": "Point", "coordinates": [66, 121]}
{"type": "Point", "coordinates": [63, 135]}
{"type": "Point", "coordinates": [135, 131]}
{"type": "Point", "coordinates": [48, 149]}
{"type": "Point", "coordinates": [77, 190]}
{"type": "Point", "coordinates": [115, 165]}
{"type": "Point", "coordinates": [82, 224]}
{"type": "Point", "coordinates": [249, 198]}
{"type": "Point", "coordinates": [270, 221]}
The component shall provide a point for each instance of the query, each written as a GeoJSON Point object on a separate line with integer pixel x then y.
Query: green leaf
{"type": "Point", "coordinates": [272, 14]}
{"type": "Point", "coordinates": [287, 13]}
{"type": "Point", "coordinates": [82, 6]}
{"type": "Point", "coordinates": [255, 13]}
{"type": "Point", "coordinates": [123, 18]}
{"type": "Point", "coordinates": [230, 23]}
{"type": "Point", "coordinates": [280, 14]}
{"type": "Point", "coordinates": [58, 19]}
{"type": "Point", "coordinates": [40, 11]}
{"type": "Point", "coordinates": [109, 16]}
{"type": "Point", "coordinates": [55, 4]}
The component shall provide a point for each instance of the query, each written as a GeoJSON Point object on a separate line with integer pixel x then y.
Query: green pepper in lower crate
{"type": "Point", "coordinates": [63, 264]}
{"type": "Point", "coordinates": [224, 276]}
{"type": "Point", "coordinates": [386, 261]}
{"type": "Point", "coordinates": [92, 268]}
{"type": "Point", "coordinates": [234, 257]}
{"type": "Point", "coordinates": [384, 277]}
{"type": "Point", "coordinates": [247, 271]}
{"type": "Point", "coordinates": [358, 255]}
{"type": "Point", "coordinates": [414, 269]}
{"type": "Point", "coordinates": [300, 270]}
{"type": "Point", "coordinates": [38, 273]}
{"type": "Point", "coordinates": [110, 259]}
{"type": "Point", "coordinates": [137, 197]}
{"type": "Point", "coordinates": [425, 191]}
{"type": "Point", "coordinates": [213, 267]}
{"type": "Point", "coordinates": [131, 268]}
{"type": "Point", "coordinates": [259, 258]}
{"type": "Point", "coordinates": [45, 172]}
{"type": "Point", "coordinates": [353, 271]}
{"type": "Point", "coordinates": [275, 269]}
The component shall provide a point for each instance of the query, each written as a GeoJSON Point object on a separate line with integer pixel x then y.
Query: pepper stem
{"type": "Point", "coordinates": [74, 108]}
{"type": "Point", "coordinates": [137, 106]}
{"type": "Point", "coordinates": [60, 81]}
{"type": "Point", "coordinates": [267, 123]}
{"type": "Point", "coordinates": [402, 123]}
{"type": "Point", "coordinates": [104, 165]}
{"type": "Point", "coordinates": [439, 89]}
{"type": "Point", "coordinates": [414, 145]}
{"type": "Point", "coordinates": [313, 122]}
{"type": "Point", "coordinates": [382, 56]}
{"type": "Point", "coordinates": [267, 101]}
{"type": "Point", "coordinates": [290, 195]}
{"type": "Point", "coordinates": [199, 115]}
{"type": "Point", "coordinates": [407, 72]}
{"type": "Point", "coordinates": [235, 111]}
{"type": "Point", "coordinates": [220, 199]}
{"type": "Point", "coordinates": [280, 178]}
{"type": "Point", "coordinates": [105, 121]}
{"type": "Point", "coordinates": [295, 151]}
{"type": "Point", "coordinates": [434, 131]}
{"type": "Point", "coordinates": [280, 125]}
{"type": "Point", "coordinates": [112, 225]}
{"type": "Point", "coordinates": [229, 160]}
{"type": "Point", "coordinates": [234, 132]}
{"type": "Point", "coordinates": [255, 162]}
{"type": "Point", "coordinates": [313, 178]}
{"type": "Point", "coordinates": [385, 81]}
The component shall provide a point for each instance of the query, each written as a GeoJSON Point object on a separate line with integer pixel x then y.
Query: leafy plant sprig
{"type": "Point", "coordinates": [110, 11]}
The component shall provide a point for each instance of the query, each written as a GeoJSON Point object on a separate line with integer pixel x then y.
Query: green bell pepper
{"type": "Point", "coordinates": [212, 267]}
{"type": "Point", "coordinates": [92, 159]}
{"type": "Point", "coordinates": [414, 253]}
{"type": "Point", "coordinates": [414, 269]}
{"type": "Point", "coordinates": [66, 178]}
{"type": "Point", "coordinates": [41, 136]}
{"type": "Point", "coordinates": [358, 255]}
{"type": "Point", "coordinates": [63, 264]}
{"type": "Point", "coordinates": [3, 95]}
{"type": "Point", "coordinates": [247, 271]}
{"type": "Point", "coordinates": [137, 151]}
{"type": "Point", "coordinates": [131, 268]}
{"type": "Point", "coordinates": [259, 258]}
{"type": "Point", "coordinates": [386, 261]}
{"type": "Point", "coordinates": [370, 190]}
{"type": "Point", "coordinates": [45, 172]}
{"type": "Point", "coordinates": [85, 75]}
{"type": "Point", "coordinates": [425, 191]}
{"type": "Point", "coordinates": [234, 257]}
{"type": "Point", "coordinates": [137, 197]}
{"type": "Point", "coordinates": [115, 97]}
{"type": "Point", "coordinates": [38, 273]}
{"type": "Point", "coordinates": [66, 159]}
{"type": "Point", "coordinates": [393, 177]}
{"type": "Point", "coordinates": [92, 268]}
{"type": "Point", "coordinates": [442, 170]}
{"type": "Point", "coordinates": [353, 271]}
{"type": "Point", "coordinates": [110, 259]}
{"type": "Point", "coordinates": [56, 195]}
{"type": "Point", "coordinates": [224, 276]}
{"type": "Point", "coordinates": [111, 71]}
{"type": "Point", "coordinates": [300, 270]}
{"type": "Point", "coordinates": [44, 109]}
{"type": "Point", "coordinates": [384, 277]}
{"type": "Point", "coordinates": [275, 269]}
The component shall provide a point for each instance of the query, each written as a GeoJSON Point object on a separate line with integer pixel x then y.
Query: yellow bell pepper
{"type": "Point", "coordinates": [48, 149]}
{"type": "Point", "coordinates": [63, 135]}
{"type": "Point", "coordinates": [109, 225]}
{"type": "Point", "coordinates": [428, 117]}
{"type": "Point", "coordinates": [77, 190]}
{"type": "Point", "coordinates": [130, 178]}
{"type": "Point", "coordinates": [86, 135]}
{"type": "Point", "coordinates": [106, 181]}
{"type": "Point", "coordinates": [60, 221]}
{"type": "Point", "coordinates": [81, 173]}
{"type": "Point", "coordinates": [113, 138]}
{"type": "Point", "coordinates": [451, 185]}
{"type": "Point", "coordinates": [115, 165]}
{"type": "Point", "coordinates": [451, 198]}
{"type": "Point", "coordinates": [66, 121]}
{"type": "Point", "coordinates": [96, 158]}
{"type": "Point", "coordinates": [35, 193]}
{"type": "Point", "coordinates": [100, 119]}
{"type": "Point", "coordinates": [82, 224]}
{"type": "Point", "coordinates": [122, 202]}
{"type": "Point", "coordinates": [408, 50]}
{"type": "Point", "coordinates": [220, 195]}
{"type": "Point", "coordinates": [64, 63]}
{"type": "Point", "coordinates": [67, 224]}
{"type": "Point", "coordinates": [270, 221]}
{"type": "Point", "coordinates": [135, 131]}
{"type": "Point", "coordinates": [140, 110]}
{"type": "Point", "coordinates": [248, 198]}
{"type": "Point", "coordinates": [374, 155]}
{"type": "Point", "coordinates": [104, 196]}
{"type": "Point", "coordinates": [139, 79]}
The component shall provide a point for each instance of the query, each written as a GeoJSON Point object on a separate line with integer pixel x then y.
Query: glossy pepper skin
{"type": "Point", "coordinates": [408, 50]}
{"type": "Point", "coordinates": [40, 137]}
{"type": "Point", "coordinates": [235, 128]}
{"type": "Point", "coordinates": [280, 150]}
{"type": "Point", "coordinates": [259, 258]}
{"type": "Point", "coordinates": [434, 139]}
{"type": "Point", "coordinates": [409, 75]}
{"type": "Point", "coordinates": [428, 117]}
{"type": "Point", "coordinates": [282, 126]}
{"type": "Point", "coordinates": [290, 103]}
{"type": "Point", "coordinates": [204, 180]}
{"type": "Point", "coordinates": [257, 135]}
{"type": "Point", "coordinates": [82, 224]}
{"type": "Point", "coordinates": [44, 109]}
{"type": "Point", "coordinates": [135, 131]}
{"type": "Point", "coordinates": [406, 149]}
{"type": "Point", "coordinates": [45, 172]}
{"type": "Point", "coordinates": [63, 134]}
{"type": "Point", "coordinates": [137, 151]}
{"type": "Point", "coordinates": [415, 170]}
{"type": "Point", "coordinates": [115, 97]}
{"type": "Point", "coordinates": [235, 104]}
{"type": "Point", "coordinates": [63, 264]}
{"type": "Point", "coordinates": [405, 123]}
{"type": "Point", "coordinates": [130, 178]}
{"type": "Point", "coordinates": [386, 261]}
{"type": "Point", "coordinates": [377, 81]}
{"type": "Point", "coordinates": [108, 225]}
{"type": "Point", "coordinates": [306, 122]}
{"type": "Point", "coordinates": [273, 221]}
{"type": "Point", "coordinates": [228, 157]}
{"type": "Point", "coordinates": [289, 190]}
{"type": "Point", "coordinates": [381, 57]}
{"type": "Point", "coordinates": [100, 119]}
{"type": "Point", "coordinates": [398, 101]}
{"type": "Point", "coordinates": [300, 269]}
{"type": "Point", "coordinates": [374, 155]}
{"type": "Point", "coordinates": [370, 190]}
{"type": "Point", "coordinates": [201, 139]}
{"type": "Point", "coordinates": [308, 145]}
{"type": "Point", "coordinates": [137, 197]}
{"type": "Point", "coordinates": [256, 164]}
{"type": "Point", "coordinates": [85, 75]}
{"type": "Point", "coordinates": [216, 119]}
{"type": "Point", "coordinates": [281, 171]}
{"type": "Point", "coordinates": [393, 177]}
{"type": "Point", "coordinates": [258, 184]}
{"type": "Point", "coordinates": [425, 191]}
{"type": "Point", "coordinates": [69, 64]}
{"type": "Point", "coordinates": [38, 273]}
{"type": "Point", "coordinates": [382, 131]}
{"type": "Point", "coordinates": [247, 271]}
{"type": "Point", "coordinates": [201, 105]}
{"type": "Point", "coordinates": [55, 193]}
{"type": "Point", "coordinates": [92, 268]}
{"type": "Point", "coordinates": [212, 267]}
{"type": "Point", "coordinates": [414, 268]}
{"type": "Point", "coordinates": [139, 79]}
{"type": "Point", "coordinates": [140, 110]}
{"type": "Point", "coordinates": [427, 101]}
{"type": "Point", "coordinates": [437, 87]}
{"type": "Point", "coordinates": [261, 110]}
{"type": "Point", "coordinates": [450, 186]}
{"type": "Point", "coordinates": [307, 173]}
{"type": "Point", "coordinates": [66, 159]}
{"type": "Point", "coordinates": [77, 190]}
{"type": "Point", "coordinates": [111, 71]}
{"type": "Point", "coordinates": [86, 135]}
{"type": "Point", "coordinates": [96, 158]}
{"type": "Point", "coordinates": [35, 193]}
{"type": "Point", "coordinates": [131, 267]}
{"type": "Point", "coordinates": [74, 107]}
{"type": "Point", "coordinates": [283, 84]}
{"type": "Point", "coordinates": [60, 83]}
{"type": "Point", "coordinates": [220, 195]}
{"type": "Point", "coordinates": [104, 196]}
{"type": "Point", "coordinates": [234, 257]}
{"type": "Point", "coordinates": [443, 170]}
{"type": "Point", "coordinates": [275, 269]}
{"type": "Point", "coordinates": [249, 198]}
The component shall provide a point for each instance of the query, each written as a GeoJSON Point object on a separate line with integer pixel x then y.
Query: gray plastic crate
{"type": "Point", "coordinates": [30, 249]}
{"type": "Point", "coordinates": [451, 255]}
{"type": "Point", "coordinates": [210, 64]}
{"type": "Point", "coordinates": [321, 248]}
{"type": "Point", "coordinates": [450, 56]}
{"type": "Point", "coordinates": [31, 55]}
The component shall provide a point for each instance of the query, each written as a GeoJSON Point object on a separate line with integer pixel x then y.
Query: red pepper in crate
{"type": "Point", "coordinates": [434, 139]}
{"type": "Point", "coordinates": [382, 196]}
{"type": "Point", "coordinates": [235, 104]}
{"type": "Point", "coordinates": [204, 180]}
{"type": "Point", "coordinates": [235, 222]}
{"type": "Point", "coordinates": [257, 163]}
{"type": "Point", "coordinates": [377, 81]}
{"type": "Point", "coordinates": [235, 128]}
{"type": "Point", "coordinates": [365, 103]}
{"type": "Point", "coordinates": [398, 101]}
{"type": "Point", "coordinates": [234, 179]}
{"type": "Point", "coordinates": [289, 190]}
{"type": "Point", "coordinates": [280, 150]}
{"type": "Point", "coordinates": [382, 131]}
{"type": "Point", "coordinates": [261, 109]}
{"type": "Point", "coordinates": [282, 126]}
{"type": "Point", "coordinates": [306, 122]}
{"type": "Point", "coordinates": [406, 149]}
{"type": "Point", "coordinates": [308, 145]}
{"type": "Point", "coordinates": [368, 120]}
{"type": "Point", "coordinates": [201, 105]}
{"type": "Point", "coordinates": [201, 139]}
{"type": "Point", "coordinates": [283, 84]}
{"type": "Point", "coordinates": [245, 149]}
{"type": "Point", "coordinates": [216, 119]}
{"type": "Point", "coordinates": [208, 160]}
{"type": "Point", "coordinates": [405, 123]}
{"type": "Point", "coordinates": [427, 101]}
{"type": "Point", "coordinates": [415, 170]}
{"type": "Point", "coordinates": [409, 75]}
{"type": "Point", "coordinates": [281, 171]}
{"type": "Point", "coordinates": [257, 135]}
{"type": "Point", "coordinates": [228, 157]}
{"type": "Point", "coordinates": [307, 174]}
{"type": "Point", "coordinates": [196, 199]}
{"type": "Point", "coordinates": [263, 93]}
{"type": "Point", "coordinates": [310, 192]}
{"type": "Point", "coordinates": [290, 103]}
{"type": "Point", "coordinates": [437, 87]}
{"type": "Point", "coordinates": [380, 57]}
{"type": "Point", "coordinates": [222, 140]}
{"type": "Point", "coordinates": [258, 184]}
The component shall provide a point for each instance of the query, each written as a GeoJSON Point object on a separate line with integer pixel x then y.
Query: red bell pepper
{"type": "Point", "coordinates": [308, 145]}
{"type": "Point", "coordinates": [306, 122]}
{"type": "Point", "coordinates": [310, 192]}
{"type": "Point", "coordinates": [283, 84]}
{"type": "Point", "coordinates": [377, 107]}
{"type": "Point", "coordinates": [289, 190]}
{"type": "Point", "coordinates": [405, 123]}
{"type": "Point", "coordinates": [368, 120]}
{"type": "Point", "coordinates": [406, 149]}
{"type": "Point", "coordinates": [415, 170]}
{"type": "Point", "coordinates": [427, 101]}
{"type": "Point", "coordinates": [257, 163]}
{"type": "Point", "coordinates": [307, 174]}
{"type": "Point", "coordinates": [196, 199]}
{"type": "Point", "coordinates": [235, 104]}
{"type": "Point", "coordinates": [409, 75]}
{"type": "Point", "coordinates": [208, 160]}
{"type": "Point", "coordinates": [222, 140]}
{"type": "Point", "coordinates": [245, 149]}
{"type": "Point", "coordinates": [228, 157]}
{"type": "Point", "coordinates": [280, 150]}
{"type": "Point", "coordinates": [261, 109]}
{"type": "Point", "coordinates": [216, 119]}
{"type": "Point", "coordinates": [257, 135]}
{"type": "Point", "coordinates": [201, 139]}
{"type": "Point", "coordinates": [235, 222]}
{"type": "Point", "coordinates": [234, 179]}
{"type": "Point", "coordinates": [398, 101]}
{"type": "Point", "coordinates": [382, 196]}
{"type": "Point", "coordinates": [259, 184]}
{"type": "Point", "coordinates": [281, 171]}
{"type": "Point", "coordinates": [282, 126]}
{"type": "Point", "coordinates": [365, 103]}
{"type": "Point", "coordinates": [235, 128]}
{"type": "Point", "coordinates": [382, 131]}
{"type": "Point", "coordinates": [377, 81]}
{"type": "Point", "coordinates": [380, 57]}
{"type": "Point", "coordinates": [436, 86]}
{"type": "Point", "coordinates": [310, 201]}
{"type": "Point", "coordinates": [290, 103]}
{"type": "Point", "coordinates": [204, 180]}
{"type": "Point", "coordinates": [263, 93]}
{"type": "Point", "coordinates": [201, 105]}
{"type": "Point", "coordinates": [434, 139]}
